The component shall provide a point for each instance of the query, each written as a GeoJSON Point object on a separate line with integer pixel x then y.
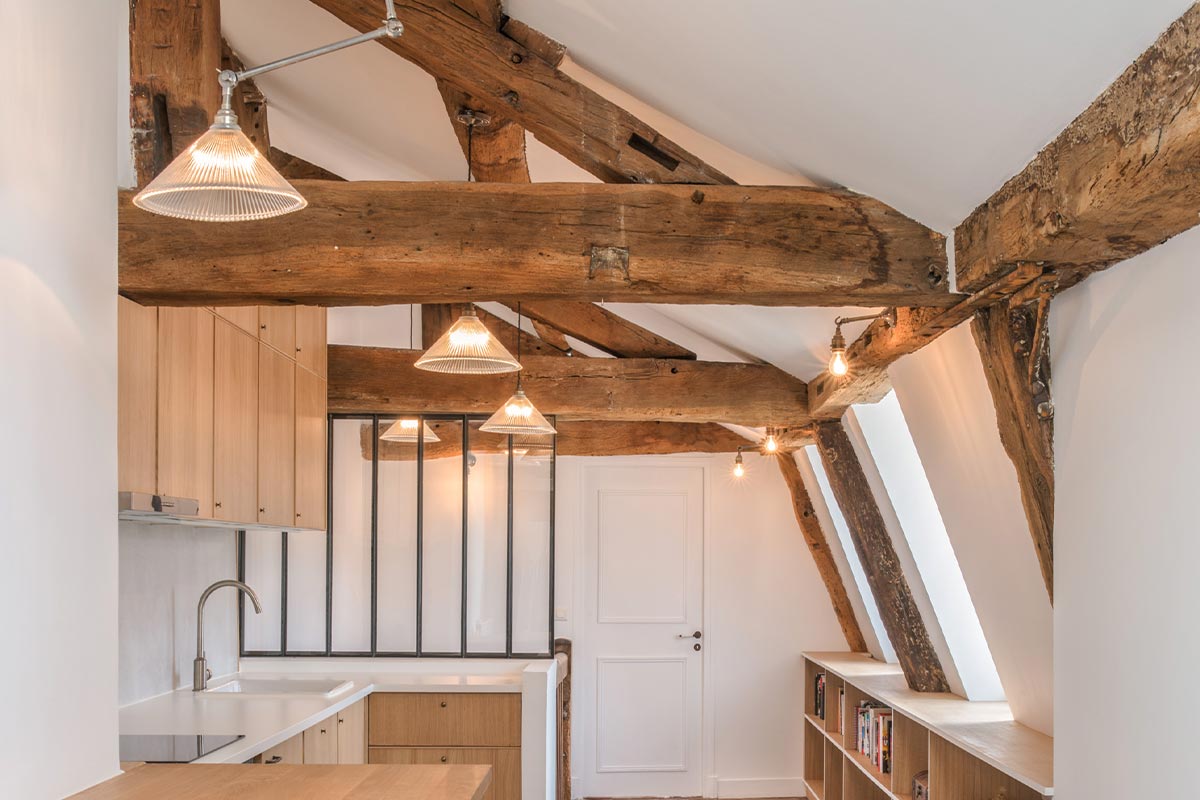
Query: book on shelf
{"type": "Point", "coordinates": [841, 709]}
{"type": "Point", "coordinates": [819, 696]}
{"type": "Point", "coordinates": [874, 734]}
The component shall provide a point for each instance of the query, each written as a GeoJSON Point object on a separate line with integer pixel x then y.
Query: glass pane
{"type": "Point", "coordinates": [306, 591]}
{"type": "Point", "coordinates": [351, 506]}
{"type": "Point", "coordinates": [396, 534]}
{"type": "Point", "coordinates": [487, 542]}
{"type": "Point", "coordinates": [264, 574]}
{"type": "Point", "coordinates": [442, 541]}
{"type": "Point", "coordinates": [533, 477]}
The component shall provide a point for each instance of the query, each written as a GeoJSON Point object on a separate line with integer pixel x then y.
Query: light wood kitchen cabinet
{"type": "Point", "coordinates": [185, 405]}
{"type": "Point", "coordinates": [276, 438]}
{"type": "Point", "coordinates": [352, 733]}
{"type": "Point", "coordinates": [311, 440]}
{"type": "Point", "coordinates": [321, 742]}
{"type": "Point", "coordinates": [504, 761]}
{"type": "Point", "coordinates": [445, 719]}
{"type": "Point", "coordinates": [137, 388]}
{"type": "Point", "coordinates": [235, 424]}
{"type": "Point", "coordinates": [277, 327]}
{"type": "Point", "coordinates": [245, 317]}
{"type": "Point", "coordinates": [311, 343]}
{"type": "Point", "coordinates": [287, 752]}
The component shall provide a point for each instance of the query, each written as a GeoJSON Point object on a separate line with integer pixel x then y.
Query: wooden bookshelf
{"type": "Point", "coordinates": [971, 749]}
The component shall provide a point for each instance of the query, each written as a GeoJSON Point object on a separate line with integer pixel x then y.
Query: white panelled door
{"type": "Point", "coordinates": [644, 590]}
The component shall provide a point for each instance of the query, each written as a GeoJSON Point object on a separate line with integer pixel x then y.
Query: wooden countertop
{"type": "Point", "coordinates": [292, 782]}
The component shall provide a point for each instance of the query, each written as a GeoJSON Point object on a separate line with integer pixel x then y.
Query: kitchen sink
{"type": "Point", "coordinates": [316, 687]}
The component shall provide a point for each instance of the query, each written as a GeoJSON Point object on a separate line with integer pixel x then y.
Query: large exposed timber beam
{"type": "Point", "coordinates": [818, 545]}
{"type": "Point", "coordinates": [881, 344]}
{"type": "Point", "coordinates": [370, 379]}
{"type": "Point", "coordinates": [898, 610]}
{"type": "Point", "coordinates": [1014, 346]}
{"type": "Point", "coordinates": [452, 44]}
{"type": "Point", "coordinates": [174, 57]}
{"type": "Point", "coordinates": [601, 328]}
{"type": "Point", "coordinates": [1117, 181]}
{"type": "Point", "coordinates": [575, 438]}
{"type": "Point", "coordinates": [369, 243]}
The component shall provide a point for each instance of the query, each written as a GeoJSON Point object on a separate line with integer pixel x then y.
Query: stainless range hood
{"type": "Point", "coordinates": [155, 507]}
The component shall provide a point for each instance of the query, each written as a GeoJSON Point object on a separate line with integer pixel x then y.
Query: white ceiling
{"type": "Point", "coordinates": [928, 105]}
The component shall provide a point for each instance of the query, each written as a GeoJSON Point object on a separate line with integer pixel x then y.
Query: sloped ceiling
{"type": "Point", "coordinates": [928, 105]}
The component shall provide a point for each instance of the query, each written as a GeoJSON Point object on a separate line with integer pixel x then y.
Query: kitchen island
{"type": "Point", "coordinates": [284, 782]}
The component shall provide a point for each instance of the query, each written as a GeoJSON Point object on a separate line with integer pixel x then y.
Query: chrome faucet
{"type": "Point", "coordinates": [200, 671]}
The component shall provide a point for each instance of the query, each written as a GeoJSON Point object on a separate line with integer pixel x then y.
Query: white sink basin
{"type": "Point", "coordinates": [317, 687]}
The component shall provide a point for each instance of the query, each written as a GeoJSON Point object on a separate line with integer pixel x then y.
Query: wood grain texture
{"type": "Point", "coordinates": [818, 546]}
{"type": "Point", "coordinates": [504, 761]}
{"type": "Point", "coordinates": [957, 774]}
{"type": "Point", "coordinates": [603, 329]}
{"type": "Point", "coordinates": [185, 405]}
{"type": "Point", "coordinates": [451, 43]}
{"type": "Point", "coordinates": [235, 423]}
{"type": "Point", "coordinates": [321, 742]}
{"type": "Point", "coordinates": [311, 441]}
{"type": "Point", "coordinates": [897, 609]}
{"type": "Point", "coordinates": [174, 57]}
{"type": "Point", "coordinates": [312, 345]}
{"type": "Point", "coordinates": [880, 345]}
{"type": "Point", "coordinates": [289, 781]}
{"type": "Point", "coordinates": [276, 438]}
{"type": "Point", "coordinates": [370, 379]}
{"type": "Point", "coordinates": [498, 148]}
{"type": "Point", "coordinates": [375, 243]}
{"type": "Point", "coordinates": [459, 719]}
{"type": "Point", "coordinates": [137, 389]}
{"type": "Point", "coordinates": [1117, 181]}
{"type": "Point", "coordinates": [352, 733]}
{"type": "Point", "coordinates": [1007, 341]}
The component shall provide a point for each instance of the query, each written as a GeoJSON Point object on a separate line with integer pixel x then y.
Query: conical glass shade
{"type": "Point", "coordinates": [405, 430]}
{"type": "Point", "coordinates": [468, 348]}
{"type": "Point", "coordinates": [517, 416]}
{"type": "Point", "coordinates": [222, 177]}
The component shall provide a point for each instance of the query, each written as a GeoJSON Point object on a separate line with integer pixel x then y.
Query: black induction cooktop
{"type": "Point", "coordinates": [156, 748]}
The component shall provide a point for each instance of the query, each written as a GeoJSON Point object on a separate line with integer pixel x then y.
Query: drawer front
{"type": "Point", "coordinates": [504, 761]}
{"type": "Point", "coordinates": [444, 720]}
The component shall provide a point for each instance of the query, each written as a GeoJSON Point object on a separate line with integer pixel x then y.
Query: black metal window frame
{"type": "Point", "coordinates": [465, 420]}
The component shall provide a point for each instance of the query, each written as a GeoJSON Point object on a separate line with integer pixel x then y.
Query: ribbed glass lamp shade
{"type": "Point", "coordinates": [468, 348]}
{"type": "Point", "coordinates": [222, 177]}
{"type": "Point", "coordinates": [405, 430]}
{"type": "Point", "coordinates": [517, 417]}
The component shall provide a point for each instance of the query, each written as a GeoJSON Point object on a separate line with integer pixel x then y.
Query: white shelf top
{"type": "Point", "coordinates": [986, 730]}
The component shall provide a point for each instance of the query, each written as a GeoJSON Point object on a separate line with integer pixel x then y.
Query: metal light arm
{"type": "Point", "coordinates": [391, 28]}
{"type": "Point", "coordinates": [888, 317]}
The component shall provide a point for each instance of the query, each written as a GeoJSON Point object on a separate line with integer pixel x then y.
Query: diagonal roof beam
{"type": "Point", "coordinates": [603, 329]}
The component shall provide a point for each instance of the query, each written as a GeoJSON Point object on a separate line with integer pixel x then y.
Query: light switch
{"type": "Point", "coordinates": [560, 614]}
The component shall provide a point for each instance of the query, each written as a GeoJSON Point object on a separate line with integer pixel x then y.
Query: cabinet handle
{"type": "Point", "coordinates": [297, 348]}
{"type": "Point", "coordinates": [217, 504]}
{"type": "Point", "coordinates": [443, 759]}
{"type": "Point", "coordinates": [273, 760]}
{"type": "Point", "coordinates": [323, 730]}
{"type": "Point", "coordinates": [340, 720]}
{"type": "Point", "coordinates": [262, 511]}
{"type": "Point", "coordinates": [443, 704]}
{"type": "Point", "coordinates": [263, 326]}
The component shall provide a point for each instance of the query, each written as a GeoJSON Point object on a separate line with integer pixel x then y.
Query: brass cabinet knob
{"type": "Point", "coordinates": [443, 704]}
{"type": "Point", "coordinates": [443, 759]}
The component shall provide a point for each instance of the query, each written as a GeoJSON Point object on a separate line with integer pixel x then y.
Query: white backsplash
{"type": "Point", "coordinates": [163, 570]}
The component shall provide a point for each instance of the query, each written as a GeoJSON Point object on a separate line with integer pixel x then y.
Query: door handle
{"type": "Point", "coordinates": [694, 635]}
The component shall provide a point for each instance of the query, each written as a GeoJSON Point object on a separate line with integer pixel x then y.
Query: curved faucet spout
{"type": "Point", "coordinates": [200, 671]}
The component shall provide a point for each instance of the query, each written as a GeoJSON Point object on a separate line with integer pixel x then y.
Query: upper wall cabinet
{"type": "Point", "coordinates": [226, 406]}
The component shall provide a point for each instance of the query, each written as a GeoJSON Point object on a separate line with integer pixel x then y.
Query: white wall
{"type": "Point", "coordinates": [1125, 535]}
{"type": "Point", "coordinates": [58, 577]}
{"type": "Point", "coordinates": [767, 604]}
{"type": "Point", "coordinates": [945, 398]}
{"type": "Point", "coordinates": [163, 570]}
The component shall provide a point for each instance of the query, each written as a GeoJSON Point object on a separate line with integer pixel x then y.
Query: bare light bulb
{"type": "Point", "coordinates": [739, 467]}
{"type": "Point", "coordinates": [771, 445]}
{"type": "Point", "coordinates": [838, 366]}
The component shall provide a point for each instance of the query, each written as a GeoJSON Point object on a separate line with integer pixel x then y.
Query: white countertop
{"type": "Point", "coordinates": [266, 720]}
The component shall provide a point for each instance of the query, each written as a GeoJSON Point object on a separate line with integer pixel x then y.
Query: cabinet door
{"type": "Point", "coordinates": [311, 442]}
{"type": "Point", "coordinates": [504, 761]}
{"type": "Point", "coordinates": [276, 438]}
{"type": "Point", "coordinates": [311, 346]}
{"type": "Point", "coordinates": [277, 327]}
{"type": "Point", "coordinates": [235, 424]}
{"type": "Point", "coordinates": [137, 397]}
{"type": "Point", "coordinates": [245, 317]}
{"type": "Point", "coordinates": [352, 733]}
{"type": "Point", "coordinates": [288, 752]}
{"type": "Point", "coordinates": [321, 742]}
{"type": "Point", "coordinates": [185, 405]}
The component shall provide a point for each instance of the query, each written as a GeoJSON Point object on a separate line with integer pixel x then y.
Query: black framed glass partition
{"type": "Point", "coordinates": [439, 543]}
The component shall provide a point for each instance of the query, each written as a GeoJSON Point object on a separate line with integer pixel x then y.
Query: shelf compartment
{"type": "Point", "coordinates": [814, 754]}
{"type": "Point", "coordinates": [857, 786]}
{"type": "Point", "coordinates": [833, 704]}
{"type": "Point", "coordinates": [955, 773]}
{"type": "Point", "coordinates": [833, 772]}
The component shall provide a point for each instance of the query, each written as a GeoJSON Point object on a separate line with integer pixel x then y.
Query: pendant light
{"type": "Point", "coordinates": [408, 431]}
{"type": "Point", "coordinates": [222, 176]}
{"type": "Point", "coordinates": [518, 416]}
{"type": "Point", "coordinates": [469, 348]}
{"type": "Point", "coordinates": [739, 466]}
{"type": "Point", "coordinates": [771, 444]}
{"type": "Point", "coordinates": [839, 366]}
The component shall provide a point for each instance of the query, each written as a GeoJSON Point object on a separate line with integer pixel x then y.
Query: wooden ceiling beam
{"type": "Point", "coordinates": [378, 243]}
{"type": "Point", "coordinates": [1120, 179]}
{"type": "Point", "coordinates": [382, 380]}
{"type": "Point", "coordinates": [818, 546]}
{"type": "Point", "coordinates": [898, 609]}
{"type": "Point", "coordinates": [602, 329]}
{"type": "Point", "coordinates": [501, 69]}
{"type": "Point", "coordinates": [1014, 346]}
